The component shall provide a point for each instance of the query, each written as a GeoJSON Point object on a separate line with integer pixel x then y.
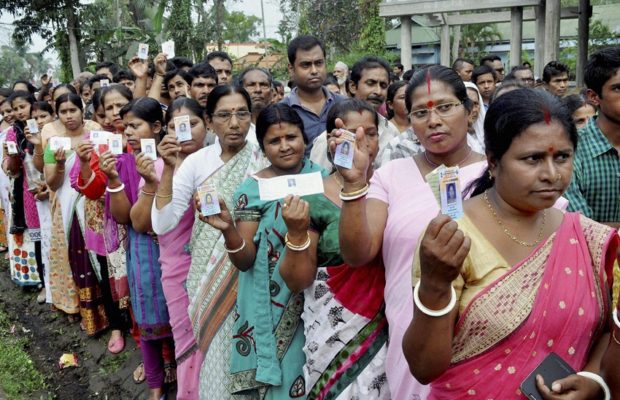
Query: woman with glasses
{"type": "Point", "coordinates": [389, 215]}
{"type": "Point", "coordinates": [212, 279]}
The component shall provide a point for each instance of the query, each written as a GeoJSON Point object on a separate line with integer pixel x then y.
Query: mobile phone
{"type": "Point", "coordinates": [552, 368]}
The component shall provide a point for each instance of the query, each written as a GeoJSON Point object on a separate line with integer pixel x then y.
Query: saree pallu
{"type": "Point", "coordinates": [556, 300]}
{"type": "Point", "coordinates": [344, 320]}
{"type": "Point", "coordinates": [267, 356]}
{"type": "Point", "coordinates": [212, 280]}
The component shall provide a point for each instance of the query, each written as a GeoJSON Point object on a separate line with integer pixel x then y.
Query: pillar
{"type": "Point", "coordinates": [516, 37]}
{"type": "Point", "coordinates": [539, 49]}
{"type": "Point", "coordinates": [405, 42]}
{"type": "Point", "coordinates": [583, 34]}
{"type": "Point", "coordinates": [552, 30]}
{"type": "Point", "coordinates": [445, 45]}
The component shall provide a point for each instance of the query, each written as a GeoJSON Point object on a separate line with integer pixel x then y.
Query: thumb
{"type": "Point", "coordinates": [567, 384]}
{"type": "Point", "coordinates": [360, 138]}
{"type": "Point", "coordinates": [339, 123]}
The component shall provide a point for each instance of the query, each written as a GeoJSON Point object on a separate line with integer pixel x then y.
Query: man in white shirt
{"type": "Point", "coordinates": [369, 80]}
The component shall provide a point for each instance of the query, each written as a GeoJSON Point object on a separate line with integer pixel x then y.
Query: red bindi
{"type": "Point", "coordinates": [551, 149]}
{"type": "Point", "coordinates": [430, 104]}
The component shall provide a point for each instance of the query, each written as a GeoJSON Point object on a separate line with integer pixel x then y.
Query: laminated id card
{"type": "Point", "coordinates": [209, 203]}
{"type": "Point", "coordinates": [343, 156]}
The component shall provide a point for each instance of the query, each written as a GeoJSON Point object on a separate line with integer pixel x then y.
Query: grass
{"type": "Point", "coordinates": [19, 377]}
{"type": "Point", "coordinates": [111, 364]}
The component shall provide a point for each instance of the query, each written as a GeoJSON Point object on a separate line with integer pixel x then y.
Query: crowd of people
{"type": "Point", "coordinates": [366, 290]}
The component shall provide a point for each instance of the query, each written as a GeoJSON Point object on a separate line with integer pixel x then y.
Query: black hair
{"type": "Point", "coordinates": [145, 108]}
{"type": "Point", "coordinates": [96, 78]}
{"type": "Point", "coordinates": [575, 102]}
{"type": "Point", "coordinates": [408, 74]}
{"type": "Point", "coordinates": [511, 75]}
{"type": "Point", "coordinates": [331, 80]}
{"type": "Point", "coordinates": [96, 98]}
{"type": "Point", "coordinates": [507, 86]}
{"type": "Point", "coordinates": [391, 93]}
{"type": "Point", "coordinates": [442, 74]}
{"type": "Point", "coordinates": [250, 69]}
{"type": "Point", "coordinates": [21, 94]}
{"type": "Point", "coordinates": [399, 66]}
{"type": "Point", "coordinates": [482, 70]}
{"type": "Point", "coordinates": [84, 85]}
{"type": "Point", "coordinates": [178, 72]}
{"type": "Point", "coordinates": [458, 63]}
{"type": "Point", "coordinates": [275, 114]}
{"type": "Point", "coordinates": [29, 85]}
{"type": "Point", "coordinates": [305, 43]}
{"type": "Point", "coordinates": [509, 116]}
{"type": "Point", "coordinates": [121, 89]}
{"type": "Point", "coordinates": [109, 65]}
{"type": "Point", "coordinates": [124, 74]}
{"type": "Point", "coordinates": [5, 92]}
{"type": "Point", "coordinates": [181, 62]}
{"type": "Point", "coordinates": [70, 98]}
{"type": "Point", "coordinates": [184, 102]}
{"type": "Point", "coordinates": [393, 77]}
{"type": "Point", "coordinates": [219, 54]}
{"type": "Point", "coordinates": [342, 108]}
{"type": "Point", "coordinates": [203, 70]}
{"type": "Point", "coordinates": [601, 66]}
{"type": "Point", "coordinates": [67, 86]}
{"type": "Point", "coordinates": [224, 90]}
{"type": "Point", "coordinates": [276, 84]}
{"type": "Point", "coordinates": [368, 62]}
{"type": "Point", "coordinates": [42, 106]}
{"type": "Point", "coordinates": [553, 68]}
{"type": "Point", "coordinates": [489, 58]}
{"type": "Point", "coordinates": [527, 64]}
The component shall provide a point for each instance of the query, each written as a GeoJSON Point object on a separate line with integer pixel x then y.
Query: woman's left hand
{"type": "Point", "coordinates": [59, 156]}
{"type": "Point", "coordinates": [146, 168]}
{"type": "Point", "coordinates": [296, 216]}
{"type": "Point", "coordinates": [42, 192]}
{"type": "Point", "coordinates": [573, 387]}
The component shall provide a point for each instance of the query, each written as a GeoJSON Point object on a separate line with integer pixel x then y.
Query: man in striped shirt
{"type": "Point", "coordinates": [595, 187]}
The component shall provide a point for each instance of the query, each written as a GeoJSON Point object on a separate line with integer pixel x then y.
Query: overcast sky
{"type": "Point", "coordinates": [250, 7]}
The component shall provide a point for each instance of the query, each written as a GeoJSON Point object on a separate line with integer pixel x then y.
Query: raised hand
{"type": "Point", "coordinates": [140, 68]}
{"type": "Point", "coordinates": [84, 151]}
{"type": "Point", "coordinates": [146, 168]}
{"type": "Point", "coordinates": [356, 176]}
{"type": "Point", "coordinates": [296, 216]}
{"type": "Point", "coordinates": [168, 149]}
{"type": "Point", "coordinates": [32, 137]}
{"type": "Point", "coordinates": [221, 221]}
{"type": "Point", "coordinates": [107, 164]}
{"type": "Point", "coordinates": [160, 64]}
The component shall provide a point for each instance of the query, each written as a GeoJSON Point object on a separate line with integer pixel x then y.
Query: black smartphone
{"type": "Point", "coordinates": [551, 369]}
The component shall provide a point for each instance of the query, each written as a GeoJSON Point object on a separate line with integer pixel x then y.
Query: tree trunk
{"type": "Point", "coordinates": [73, 43]}
{"type": "Point", "coordinates": [456, 41]}
{"type": "Point", "coordinates": [218, 24]}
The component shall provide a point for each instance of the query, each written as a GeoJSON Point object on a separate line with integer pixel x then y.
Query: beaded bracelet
{"type": "Point", "coordinates": [598, 379]}
{"type": "Point", "coordinates": [433, 313]}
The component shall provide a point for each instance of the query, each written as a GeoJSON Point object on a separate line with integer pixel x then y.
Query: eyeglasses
{"type": "Point", "coordinates": [443, 110]}
{"type": "Point", "coordinates": [226, 116]}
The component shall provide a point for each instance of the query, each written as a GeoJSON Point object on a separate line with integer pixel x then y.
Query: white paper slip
{"type": "Point", "coordinates": [33, 127]}
{"type": "Point", "coordinates": [209, 203]}
{"type": "Point", "coordinates": [148, 148]}
{"type": "Point", "coordinates": [115, 143]}
{"type": "Point", "coordinates": [104, 82]}
{"type": "Point", "coordinates": [182, 128]}
{"type": "Point", "coordinates": [60, 142]}
{"type": "Point", "coordinates": [168, 49]}
{"type": "Point", "coordinates": [298, 185]}
{"type": "Point", "coordinates": [97, 137]}
{"type": "Point", "coordinates": [143, 51]}
{"type": "Point", "coordinates": [11, 147]}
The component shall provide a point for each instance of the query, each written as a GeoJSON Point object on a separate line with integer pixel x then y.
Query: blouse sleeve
{"type": "Point", "coordinates": [247, 202]}
{"type": "Point", "coordinates": [94, 188]}
{"type": "Point", "coordinates": [378, 184]}
{"type": "Point", "coordinates": [167, 218]}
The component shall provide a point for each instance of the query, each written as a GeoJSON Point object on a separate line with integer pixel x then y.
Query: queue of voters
{"type": "Point", "coordinates": [362, 233]}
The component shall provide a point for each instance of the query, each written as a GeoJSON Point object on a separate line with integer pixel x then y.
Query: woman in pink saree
{"type": "Point", "coordinates": [514, 279]}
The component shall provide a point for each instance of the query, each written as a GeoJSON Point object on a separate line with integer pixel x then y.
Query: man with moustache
{"type": "Point", "coordinates": [369, 80]}
{"type": "Point", "coordinates": [204, 80]}
{"type": "Point", "coordinates": [341, 72]}
{"type": "Point", "coordinates": [257, 81]}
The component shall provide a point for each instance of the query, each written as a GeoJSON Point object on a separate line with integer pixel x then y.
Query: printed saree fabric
{"type": "Point", "coordinates": [268, 339]}
{"type": "Point", "coordinates": [344, 319]}
{"type": "Point", "coordinates": [555, 300]}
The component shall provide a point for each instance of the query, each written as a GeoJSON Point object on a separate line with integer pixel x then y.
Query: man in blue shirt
{"type": "Point", "coordinates": [309, 98]}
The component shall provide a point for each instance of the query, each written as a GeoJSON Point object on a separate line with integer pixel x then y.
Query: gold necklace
{"type": "Point", "coordinates": [508, 233]}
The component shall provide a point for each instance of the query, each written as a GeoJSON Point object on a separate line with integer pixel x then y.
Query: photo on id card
{"type": "Point", "coordinates": [343, 156]}
{"type": "Point", "coordinates": [143, 51]}
{"type": "Point", "coordinates": [182, 128]}
{"type": "Point", "coordinates": [450, 195]}
{"type": "Point", "coordinates": [209, 203]}
{"type": "Point", "coordinates": [148, 148]}
{"type": "Point", "coordinates": [115, 142]}
{"type": "Point", "coordinates": [11, 147]}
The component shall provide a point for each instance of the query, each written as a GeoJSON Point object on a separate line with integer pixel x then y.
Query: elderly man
{"type": "Point", "coordinates": [341, 72]}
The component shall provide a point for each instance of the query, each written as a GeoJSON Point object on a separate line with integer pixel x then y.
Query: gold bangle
{"type": "Point", "coordinates": [354, 193]}
{"type": "Point", "coordinates": [144, 192]}
{"type": "Point", "coordinates": [295, 247]}
{"type": "Point", "coordinates": [163, 196]}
